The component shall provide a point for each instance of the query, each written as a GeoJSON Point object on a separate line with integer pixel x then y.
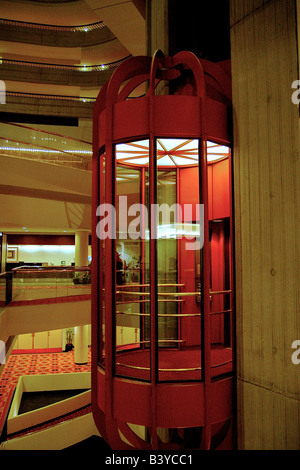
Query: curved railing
{"type": "Point", "coordinates": [49, 27]}
{"type": "Point", "coordinates": [177, 314]}
{"type": "Point", "coordinates": [47, 284]}
{"type": "Point", "coordinates": [62, 74]}
{"type": "Point", "coordinates": [76, 68]}
{"type": "Point", "coordinates": [29, 284]}
{"type": "Point", "coordinates": [55, 35]}
{"type": "Point", "coordinates": [78, 99]}
{"type": "Point", "coordinates": [50, 147]}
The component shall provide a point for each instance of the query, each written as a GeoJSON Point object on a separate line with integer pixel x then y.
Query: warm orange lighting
{"type": "Point", "coordinates": [170, 152]}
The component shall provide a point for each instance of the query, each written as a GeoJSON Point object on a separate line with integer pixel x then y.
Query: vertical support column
{"type": "Point", "coordinates": [81, 248]}
{"type": "Point", "coordinates": [3, 241]}
{"type": "Point", "coordinates": [157, 22]}
{"type": "Point", "coordinates": [81, 332]}
{"type": "Point", "coordinates": [81, 344]}
{"type": "Point", "coordinates": [266, 222]}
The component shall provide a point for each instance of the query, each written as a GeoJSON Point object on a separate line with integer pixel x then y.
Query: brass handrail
{"type": "Point", "coordinates": [216, 292]}
{"type": "Point", "coordinates": [159, 370]}
{"type": "Point", "coordinates": [186, 369]}
{"type": "Point", "coordinates": [160, 314]}
{"type": "Point", "coordinates": [147, 285]}
{"type": "Point", "coordinates": [167, 293]}
{"type": "Point", "coordinates": [148, 342]}
{"type": "Point", "coordinates": [122, 302]}
{"type": "Point", "coordinates": [118, 312]}
{"type": "Point", "coordinates": [171, 294]}
{"type": "Point", "coordinates": [222, 311]}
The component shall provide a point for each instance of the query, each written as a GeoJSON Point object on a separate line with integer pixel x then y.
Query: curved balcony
{"type": "Point", "coordinates": [35, 284]}
{"type": "Point", "coordinates": [51, 35]}
{"type": "Point", "coordinates": [56, 1]}
{"type": "Point", "coordinates": [75, 75]}
{"type": "Point", "coordinates": [47, 105]}
{"type": "Point", "coordinates": [34, 299]}
{"type": "Point", "coordinates": [47, 147]}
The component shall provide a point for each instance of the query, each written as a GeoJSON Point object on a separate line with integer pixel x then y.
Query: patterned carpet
{"type": "Point", "coordinates": [37, 364]}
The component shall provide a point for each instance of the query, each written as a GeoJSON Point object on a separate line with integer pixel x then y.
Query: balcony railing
{"type": "Point", "coordinates": [55, 35]}
{"type": "Point", "coordinates": [34, 283]}
{"type": "Point", "coordinates": [49, 27]}
{"type": "Point", "coordinates": [76, 68]}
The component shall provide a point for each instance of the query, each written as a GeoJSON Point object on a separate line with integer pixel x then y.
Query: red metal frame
{"type": "Point", "coordinates": [199, 110]}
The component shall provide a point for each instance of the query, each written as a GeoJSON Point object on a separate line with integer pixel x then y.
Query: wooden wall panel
{"type": "Point", "coordinates": [266, 182]}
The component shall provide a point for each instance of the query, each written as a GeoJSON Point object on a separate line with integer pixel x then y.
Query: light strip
{"type": "Point", "coordinates": [21, 149]}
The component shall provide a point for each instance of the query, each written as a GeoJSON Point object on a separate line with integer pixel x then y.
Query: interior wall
{"type": "Point", "coordinates": [56, 250]}
{"type": "Point", "coordinates": [51, 254]}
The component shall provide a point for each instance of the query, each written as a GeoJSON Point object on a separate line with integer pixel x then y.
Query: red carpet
{"type": "Point", "coordinates": [46, 362]}
{"type": "Point", "coordinates": [36, 351]}
{"type": "Point", "coordinates": [37, 364]}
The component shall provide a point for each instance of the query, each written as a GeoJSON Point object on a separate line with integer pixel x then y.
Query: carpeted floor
{"type": "Point", "coordinates": [37, 364]}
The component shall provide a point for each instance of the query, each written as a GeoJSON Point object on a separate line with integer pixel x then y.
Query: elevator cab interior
{"type": "Point", "coordinates": [179, 241]}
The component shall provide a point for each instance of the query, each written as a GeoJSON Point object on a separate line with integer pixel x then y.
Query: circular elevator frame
{"type": "Point", "coordinates": [200, 110]}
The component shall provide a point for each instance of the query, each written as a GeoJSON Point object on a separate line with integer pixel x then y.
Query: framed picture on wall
{"type": "Point", "coordinates": [12, 254]}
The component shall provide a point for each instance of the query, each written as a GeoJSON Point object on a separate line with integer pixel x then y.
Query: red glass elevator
{"type": "Point", "coordinates": [162, 271]}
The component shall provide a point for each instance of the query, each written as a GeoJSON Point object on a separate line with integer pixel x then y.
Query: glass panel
{"type": "Point", "coordinates": [101, 271]}
{"type": "Point", "coordinates": [43, 283]}
{"type": "Point", "coordinates": [132, 267]}
{"type": "Point", "coordinates": [179, 266]}
{"type": "Point", "coordinates": [220, 258]}
{"type": "Point", "coordinates": [179, 259]}
{"type": "Point", "coordinates": [167, 260]}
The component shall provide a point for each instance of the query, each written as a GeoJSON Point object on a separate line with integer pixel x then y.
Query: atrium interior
{"type": "Point", "coordinates": [112, 330]}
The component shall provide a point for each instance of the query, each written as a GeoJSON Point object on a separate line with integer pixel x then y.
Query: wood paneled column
{"type": "Point", "coordinates": [266, 183]}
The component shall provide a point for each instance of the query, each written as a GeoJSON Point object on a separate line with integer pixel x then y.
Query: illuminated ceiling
{"type": "Point", "coordinates": [41, 34]}
{"type": "Point", "coordinates": [170, 152]}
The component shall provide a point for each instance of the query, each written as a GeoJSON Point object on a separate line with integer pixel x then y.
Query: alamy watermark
{"type": "Point", "coordinates": [296, 354]}
{"type": "Point", "coordinates": [296, 94]}
{"type": "Point", "coordinates": [166, 222]}
{"type": "Point", "coordinates": [2, 92]}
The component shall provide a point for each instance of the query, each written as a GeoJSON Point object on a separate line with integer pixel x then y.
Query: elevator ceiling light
{"type": "Point", "coordinates": [216, 152]}
{"type": "Point", "coordinates": [170, 152]}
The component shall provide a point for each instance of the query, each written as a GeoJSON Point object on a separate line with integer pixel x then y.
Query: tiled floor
{"type": "Point", "coordinates": [37, 364]}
